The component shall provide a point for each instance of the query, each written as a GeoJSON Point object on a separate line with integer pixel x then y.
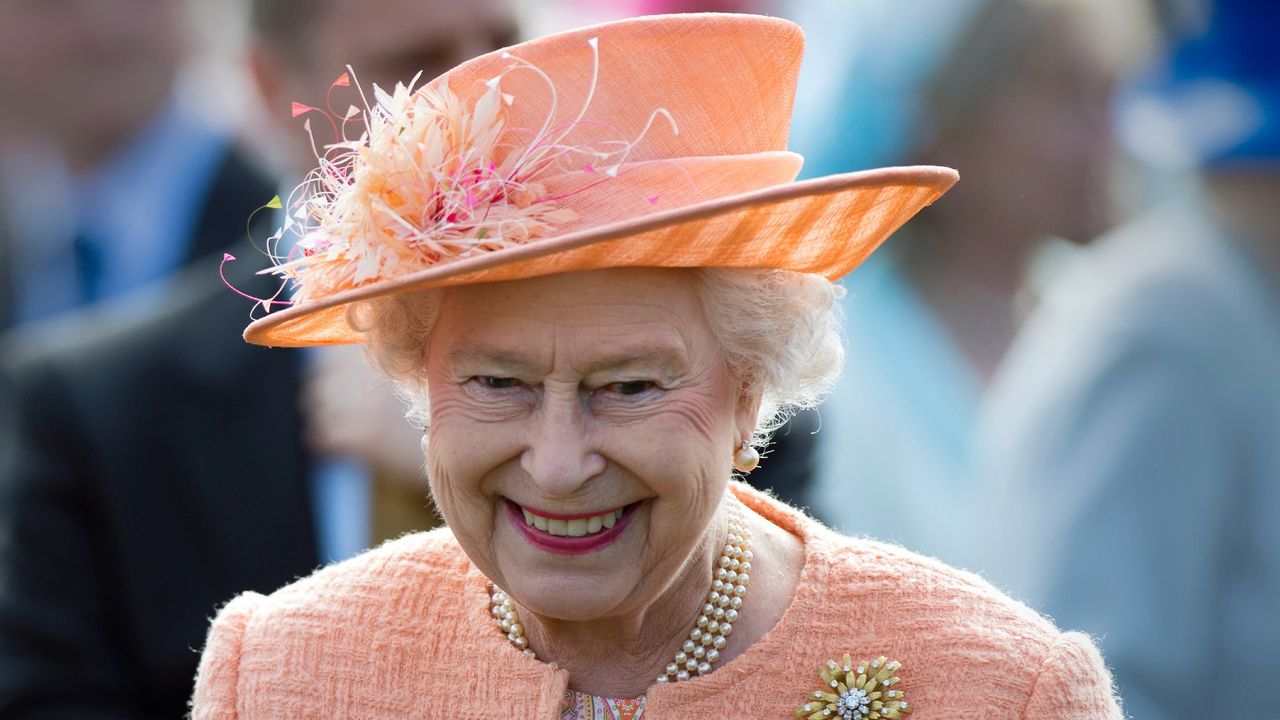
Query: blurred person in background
{"type": "Point", "coordinates": [108, 181]}
{"type": "Point", "coordinates": [1133, 438]}
{"type": "Point", "coordinates": [136, 492]}
{"type": "Point", "coordinates": [1015, 94]}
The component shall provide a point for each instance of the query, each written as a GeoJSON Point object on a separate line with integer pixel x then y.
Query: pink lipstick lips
{"type": "Point", "coordinates": [564, 544]}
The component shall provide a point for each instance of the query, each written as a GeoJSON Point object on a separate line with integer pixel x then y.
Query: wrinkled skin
{"type": "Point", "coordinates": [576, 393]}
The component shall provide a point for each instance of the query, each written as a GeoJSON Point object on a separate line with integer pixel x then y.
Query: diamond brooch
{"type": "Point", "coordinates": [864, 690]}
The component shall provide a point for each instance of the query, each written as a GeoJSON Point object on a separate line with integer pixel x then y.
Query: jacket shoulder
{"type": "Point", "coordinates": [390, 579]}
{"type": "Point", "coordinates": [218, 677]}
{"type": "Point", "coordinates": [962, 643]}
{"type": "Point", "coordinates": [913, 584]}
{"type": "Point", "coordinates": [363, 632]}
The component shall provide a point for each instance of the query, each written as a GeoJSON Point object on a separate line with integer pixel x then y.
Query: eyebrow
{"type": "Point", "coordinates": [668, 360]}
{"type": "Point", "coordinates": [492, 356]}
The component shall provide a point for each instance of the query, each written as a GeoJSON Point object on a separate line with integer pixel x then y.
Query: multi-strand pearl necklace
{"type": "Point", "coordinates": [714, 625]}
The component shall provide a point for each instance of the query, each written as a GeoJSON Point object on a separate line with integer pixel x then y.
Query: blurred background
{"type": "Point", "coordinates": [1063, 376]}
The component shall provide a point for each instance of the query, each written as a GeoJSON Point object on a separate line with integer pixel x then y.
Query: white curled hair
{"type": "Point", "coordinates": [779, 331]}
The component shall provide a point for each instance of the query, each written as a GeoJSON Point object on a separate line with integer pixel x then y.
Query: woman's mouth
{"type": "Point", "coordinates": [577, 527]}
{"type": "Point", "coordinates": [570, 534]}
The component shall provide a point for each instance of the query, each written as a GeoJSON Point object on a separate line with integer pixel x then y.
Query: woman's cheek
{"type": "Point", "coordinates": [459, 457]}
{"type": "Point", "coordinates": [457, 486]}
{"type": "Point", "coordinates": [466, 446]}
{"type": "Point", "coordinates": [693, 418]}
{"type": "Point", "coordinates": [438, 480]}
{"type": "Point", "coordinates": [684, 456]}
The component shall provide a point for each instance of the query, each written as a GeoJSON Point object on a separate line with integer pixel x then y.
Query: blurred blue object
{"type": "Point", "coordinates": [867, 65]}
{"type": "Point", "coordinates": [1214, 100]}
{"type": "Point", "coordinates": [160, 201]}
{"type": "Point", "coordinates": [897, 428]}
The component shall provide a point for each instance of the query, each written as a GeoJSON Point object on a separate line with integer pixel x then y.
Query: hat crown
{"type": "Point", "coordinates": [553, 136]}
{"type": "Point", "coordinates": [727, 81]}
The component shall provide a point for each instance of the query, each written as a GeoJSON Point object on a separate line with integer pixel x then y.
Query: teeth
{"type": "Point", "coordinates": [579, 527]}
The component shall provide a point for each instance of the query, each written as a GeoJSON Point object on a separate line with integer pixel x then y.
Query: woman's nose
{"type": "Point", "coordinates": [560, 456]}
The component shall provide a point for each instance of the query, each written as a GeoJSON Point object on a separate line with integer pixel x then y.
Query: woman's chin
{"type": "Point", "coordinates": [570, 583]}
{"type": "Point", "coordinates": [570, 597]}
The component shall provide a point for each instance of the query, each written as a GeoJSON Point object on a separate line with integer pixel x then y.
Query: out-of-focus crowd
{"type": "Point", "coordinates": [1064, 376]}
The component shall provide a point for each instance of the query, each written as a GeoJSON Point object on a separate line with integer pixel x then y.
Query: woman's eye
{"type": "Point", "coordinates": [498, 383]}
{"type": "Point", "coordinates": [632, 387]}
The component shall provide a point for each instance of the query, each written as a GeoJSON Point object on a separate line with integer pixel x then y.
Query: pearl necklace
{"type": "Point", "coordinates": [714, 625]}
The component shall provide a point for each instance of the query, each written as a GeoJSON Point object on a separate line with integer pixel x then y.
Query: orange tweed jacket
{"type": "Point", "coordinates": [404, 631]}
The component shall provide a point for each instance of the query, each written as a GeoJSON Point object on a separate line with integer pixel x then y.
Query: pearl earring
{"type": "Point", "coordinates": [746, 458]}
{"type": "Point", "coordinates": [424, 443]}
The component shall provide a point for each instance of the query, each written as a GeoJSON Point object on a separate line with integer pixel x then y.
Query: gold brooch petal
{"type": "Point", "coordinates": [865, 690]}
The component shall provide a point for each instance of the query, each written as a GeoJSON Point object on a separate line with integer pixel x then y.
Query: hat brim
{"type": "Point", "coordinates": [826, 226]}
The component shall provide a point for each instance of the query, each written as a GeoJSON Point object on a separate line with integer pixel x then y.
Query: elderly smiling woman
{"type": "Point", "coordinates": [585, 260]}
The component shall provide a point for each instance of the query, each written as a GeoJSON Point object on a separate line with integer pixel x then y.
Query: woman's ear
{"type": "Point", "coordinates": [747, 413]}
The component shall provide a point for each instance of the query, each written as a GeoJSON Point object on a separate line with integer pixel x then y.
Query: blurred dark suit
{"type": "Point", "coordinates": [236, 189]}
{"type": "Point", "coordinates": [151, 467]}
{"type": "Point", "coordinates": [787, 468]}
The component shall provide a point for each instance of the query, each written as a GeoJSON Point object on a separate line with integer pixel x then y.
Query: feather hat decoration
{"type": "Point", "coordinates": [651, 142]}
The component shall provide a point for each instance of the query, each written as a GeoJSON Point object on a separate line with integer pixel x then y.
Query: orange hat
{"type": "Point", "coordinates": [651, 142]}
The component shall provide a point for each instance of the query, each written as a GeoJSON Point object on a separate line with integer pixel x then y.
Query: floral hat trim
{"type": "Point", "coordinates": [431, 180]}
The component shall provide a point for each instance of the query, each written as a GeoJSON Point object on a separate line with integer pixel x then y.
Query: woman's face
{"type": "Point", "coordinates": [581, 437]}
